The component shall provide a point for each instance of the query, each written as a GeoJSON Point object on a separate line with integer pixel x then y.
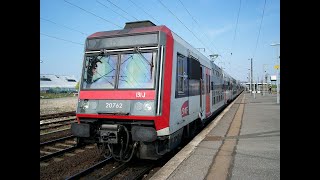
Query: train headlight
{"type": "Point", "coordinates": [147, 106]}
{"type": "Point", "coordinates": [85, 104]}
{"type": "Point", "coordinates": [143, 108]}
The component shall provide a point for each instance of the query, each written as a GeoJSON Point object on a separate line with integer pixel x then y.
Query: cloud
{"type": "Point", "coordinates": [218, 31]}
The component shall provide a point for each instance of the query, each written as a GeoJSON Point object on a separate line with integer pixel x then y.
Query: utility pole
{"type": "Point", "coordinates": [278, 74]}
{"type": "Point", "coordinates": [249, 80]}
{"type": "Point", "coordinates": [257, 84]}
{"type": "Point", "coordinates": [252, 80]}
{"type": "Point", "coordinates": [263, 78]}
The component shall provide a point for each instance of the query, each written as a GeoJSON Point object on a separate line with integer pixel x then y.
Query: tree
{"type": "Point", "coordinates": [77, 86]}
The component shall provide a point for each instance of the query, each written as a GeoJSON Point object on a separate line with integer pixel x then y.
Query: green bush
{"type": "Point", "coordinates": [54, 95]}
{"type": "Point", "coordinates": [77, 86]}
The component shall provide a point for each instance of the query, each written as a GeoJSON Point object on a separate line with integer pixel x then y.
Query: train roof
{"type": "Point", "coordinates": [132, 28]}
{"type": "Point", "coordinates": [139, 27]}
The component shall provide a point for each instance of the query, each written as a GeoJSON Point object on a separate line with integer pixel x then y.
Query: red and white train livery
{"type": "Point", "coordinates": [143, 89]}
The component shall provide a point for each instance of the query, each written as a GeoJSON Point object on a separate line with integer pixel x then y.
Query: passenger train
{"type": "Point", "coordinates": [144, 89]}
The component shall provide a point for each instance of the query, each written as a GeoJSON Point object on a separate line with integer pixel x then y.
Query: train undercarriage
{"type": "Point", "coordinates": [124, 139]}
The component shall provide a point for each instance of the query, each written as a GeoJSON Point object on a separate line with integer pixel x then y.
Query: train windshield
{"type": "Point", "coordinates": [120, 71]}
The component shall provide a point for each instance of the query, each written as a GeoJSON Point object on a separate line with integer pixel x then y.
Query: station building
{"type": "Point", "coordinates": [57, 83]}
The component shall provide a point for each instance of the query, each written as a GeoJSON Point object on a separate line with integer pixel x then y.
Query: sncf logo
{"type": "Point", "coordinates": [185, 109]}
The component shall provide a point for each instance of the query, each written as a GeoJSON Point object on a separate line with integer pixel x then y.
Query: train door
{"type": "Point", "coordinates": [224, 89]}
{"type": "Point", "coordinates": [207, 93]}
{"type": "Point", "coordinates": [201, 89]}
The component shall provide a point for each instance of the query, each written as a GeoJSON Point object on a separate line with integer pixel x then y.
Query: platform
{"type": "Point", "coordinates": [243, 142]}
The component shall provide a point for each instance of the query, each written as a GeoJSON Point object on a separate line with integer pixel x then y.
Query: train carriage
{"type": "Point", "coordinates": [143, 89]}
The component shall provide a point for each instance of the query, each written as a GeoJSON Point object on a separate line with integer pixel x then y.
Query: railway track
{"type": "Point", "coordinates": [131, 170]}
{"type": "Point", "coordinates": [57, 115]}
{"type": "Point", "coordinates": [56, 123]}
{"type": "Point", "coordinates": [134, 171]}
{"type": "Point", "coordinates": [56, 132]}
{"type": "Point", "coordinates": [57, 147]}
{"type": "Point", "coordinates": [90, 169]}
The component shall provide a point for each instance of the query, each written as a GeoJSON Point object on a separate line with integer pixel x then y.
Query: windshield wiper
{"type": "Point", "coordinates": [92, 64]}
{"type": "Point", "coordinates": [96, 60]}
{"type": "Point", "coordinates": [145, 59]}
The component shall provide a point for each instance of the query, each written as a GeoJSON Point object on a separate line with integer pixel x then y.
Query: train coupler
{"type": "Point", "coordinates": [109, 133]}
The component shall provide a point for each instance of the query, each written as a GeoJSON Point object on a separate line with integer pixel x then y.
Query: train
{"type": "Point", "coordinates": [144, 89]}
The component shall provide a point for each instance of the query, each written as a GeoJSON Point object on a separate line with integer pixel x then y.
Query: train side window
{"type": "Point", "coordinates": [194, 67]}
{"type": "Point", "coordinates": [182, 76]}
{"type": "Point", "coordinates": [212, 97]}
{"type": "Point", "coordinates": [208, 83]}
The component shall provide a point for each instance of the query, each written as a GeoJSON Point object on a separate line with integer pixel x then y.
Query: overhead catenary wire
{"type": "Point", "coordinates": [60, 39]}
{"type": "Point", "coordinates": [235, 30]}
{"type": "Point", "coordinates": [112, 10]}
{"type": "Point", "coordinates": [207, 36]}
{"type": "Point", "coordinates": [122, 9]}
{"type": "Point", "coordinates": [93, 14]}
{"type": "Point", "coordinates": [184, 25]}
{"type": "Point", "coordinates": [254, 52]}
{"type": "Point", "coordinates": [64, 26]}
{"type": "Point", "coordinates": [144, 11]}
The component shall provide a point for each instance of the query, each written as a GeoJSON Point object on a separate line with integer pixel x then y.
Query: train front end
{"type": "Point", "coordinates": [120, 105]}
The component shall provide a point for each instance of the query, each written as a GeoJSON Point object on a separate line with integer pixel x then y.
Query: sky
{"type": "Point", "coordinates": [236, 30]}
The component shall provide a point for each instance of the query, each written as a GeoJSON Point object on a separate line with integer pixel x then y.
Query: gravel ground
{"type": "Point", "coordinates": [50, 106]}
{"type": "Point", "coordinates": [69, 165]}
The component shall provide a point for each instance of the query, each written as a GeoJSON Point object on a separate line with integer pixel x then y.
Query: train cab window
{"type": "Point", "coordinates": [100, 72]}
{"type": "Point", "coordinates": [182, 76]}
{"type": "Point", "coordinates": [137, 70]}
{"type": "Point", "coordinates": [128, 70]}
